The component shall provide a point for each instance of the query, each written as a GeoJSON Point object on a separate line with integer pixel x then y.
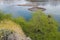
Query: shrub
{"type": "Point", "coordinates": [40, 26]}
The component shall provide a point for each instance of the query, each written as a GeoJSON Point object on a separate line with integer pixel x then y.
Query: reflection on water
{"type": "Point", "coordinates": [52, 8]}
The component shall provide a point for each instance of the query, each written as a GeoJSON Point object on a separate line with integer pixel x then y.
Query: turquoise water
{"type": "Point", "coordinates": [16, 11]}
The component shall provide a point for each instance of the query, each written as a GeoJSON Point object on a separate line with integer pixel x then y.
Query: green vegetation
{"type": "Point", "coordinates": [5, 16]}
{"type": "Point", "coordinates": [39, 27]}
{"type": "Point", "coordinates": [9, 30]}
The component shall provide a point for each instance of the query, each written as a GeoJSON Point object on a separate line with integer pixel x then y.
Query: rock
{"type": "Point", "coordinates": [36, 8]}
{"type": "Point", "coordinates": [6, 34]}
{"type": "Point", "coordinates": [9, 30]}
{"type": "Point", "coordinates": [28, 38]}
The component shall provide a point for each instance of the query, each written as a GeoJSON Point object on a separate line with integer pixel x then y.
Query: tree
{"type": "Point", "coordinates": [41, 27]}
{"type": "Point", "coordinates": [44, 26]}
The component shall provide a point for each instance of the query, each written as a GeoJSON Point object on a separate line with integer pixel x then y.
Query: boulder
{"type": "Point", "coordinates": [9, 30]}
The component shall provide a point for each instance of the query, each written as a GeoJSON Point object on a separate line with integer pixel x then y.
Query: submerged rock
{"type": "Point", "coordinates": [36, 8]}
